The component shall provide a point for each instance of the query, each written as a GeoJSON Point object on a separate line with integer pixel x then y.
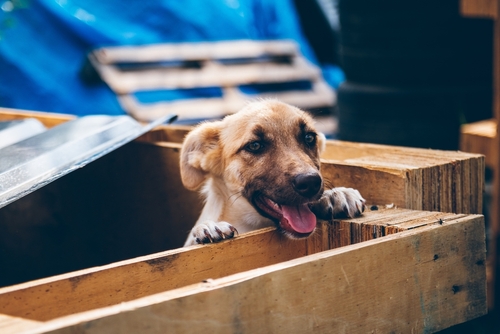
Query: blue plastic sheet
{"type": "Point", "coordinates": [44, 43]}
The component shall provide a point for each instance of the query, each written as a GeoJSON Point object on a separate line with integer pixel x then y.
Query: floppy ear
{"type": "Point", "coordinates": [321, 142]}
{"type": "Point", "coordinates": [201, 155]}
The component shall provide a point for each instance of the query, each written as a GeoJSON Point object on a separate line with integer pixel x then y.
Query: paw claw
{"type": "Point", "coordinates": [339, 202]}
{"type": "Point", "coordinates": [233, 230]}
{"type": "Point", "coordinates": [211, 232]}
{"type": "Point", "coordinates": [345, 210]}
{"type": "Point", "coordinates": [330, 212]}
{"type": "Point", "coordinates": [219, 232]}
{"type": "Point", "coordinates": [207, 236]}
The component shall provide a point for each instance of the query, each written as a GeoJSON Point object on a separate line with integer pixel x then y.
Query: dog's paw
{"type": "Point", "coordinates": [339, 202]}
{"type": "Point", "coordinates": [210, 231]}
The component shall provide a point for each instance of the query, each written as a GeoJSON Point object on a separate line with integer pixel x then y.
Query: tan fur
{"type": "Point", "coordinates": [215, 155]}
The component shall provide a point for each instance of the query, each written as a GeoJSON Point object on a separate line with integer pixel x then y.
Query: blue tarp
{"type": "Point", "coordinates": [44, 43]}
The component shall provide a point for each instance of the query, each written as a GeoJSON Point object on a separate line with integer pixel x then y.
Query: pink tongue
{"type": "Point", "coordinates": [300, 218]}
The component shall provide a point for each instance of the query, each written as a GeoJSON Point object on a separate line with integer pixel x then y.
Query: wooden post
{"type": "Point", "coordinates": [491, 9]}
{"type": "Point", "coordinates": [495, 222]}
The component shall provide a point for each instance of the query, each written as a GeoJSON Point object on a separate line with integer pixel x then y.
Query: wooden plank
{"type": "Point", "coordinates": [232, 100]}
{"type": "Point", "coordinates": [185, 109]}
{"type": "Point", "coordinates": [477, 181]}
{"type": "Point", "coordinates": [166, 133]}
{"type": "Point", "coordinates": [196, 51]}
{"type": "Point", "coordinates": [436, 272]}
{"type": "Point", "coordinates": [10, 324]}
{"type": "Point", "coordinates": [478, 137]}
{"type": "Point", "coordinates": [47, 119]}
{"type": "Point", "coordinates": [479, 8]}
{"type": "Point", "coordinates": [122, 281]}
{"type": "Point", "coordinates": [211, 74]}
{"type": "Point", "coordinates": [397, 222]}
{"type": "Point", "coordinates": [428, 219]}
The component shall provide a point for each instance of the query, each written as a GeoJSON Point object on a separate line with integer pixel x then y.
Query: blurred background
{"type": "Point", "coordinates": [44, 47]}
{"type": "Point", "coordinates": [400, 73]}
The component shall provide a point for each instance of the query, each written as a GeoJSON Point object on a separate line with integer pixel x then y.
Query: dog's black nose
{"type": "Point", "coordinates": [308, 184]}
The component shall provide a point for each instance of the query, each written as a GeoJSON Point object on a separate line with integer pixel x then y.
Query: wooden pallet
{"type": "Point", "coordinates": [227, 65]}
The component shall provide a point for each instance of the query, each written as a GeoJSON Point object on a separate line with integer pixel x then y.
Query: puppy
{"type": "Point", "coordinates": [260, 167]}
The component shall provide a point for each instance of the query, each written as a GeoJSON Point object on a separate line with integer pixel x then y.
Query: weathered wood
{"type": "Point", "coordinates": [320, 95]}
{"type": "Point", "coordinates": [479, 137]}
{"type": "Point", "coordinates": [419, 179]}
{"type": "Point", "coordinates": [479, 8]}
{"type": "Point", "coordinates": [494, 259]}
{"type": "Point", "coordinates": [477, 141]}
{"type": "Point", "coordinates": [211, 74]}
{"type": "Point", "coordinates": [413, 178]}
{"type": "Point", "coordinates": [164, 133]}
{"type": "Point", "coordinates": [433, 277]}
{"type": "Point", "coordinates": [195, 51]}
{"type": "Point", "coordinates": [47, 119]}
{"type": "Point", "coordinates": [10, 324]}
{"type": "Point", "coordinates": [128, 203]}
{"type": "Point", "coordinates": [123, 281]}
{"type": "Point", "coordinates": [97, 287]}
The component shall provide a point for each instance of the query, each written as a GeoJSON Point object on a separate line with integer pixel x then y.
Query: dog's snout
{"type": "Point", "coordinates": [307, 185]}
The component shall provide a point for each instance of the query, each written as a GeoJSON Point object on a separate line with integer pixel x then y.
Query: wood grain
{"type": "Point", "coordinates": [123, 281]}
{"type": "Point", "coordinates": [479, 137]}
{"type": "Point", "coordinates": [211, 74]}
{"type": "Point", "coordinates": [196, 51]}
{"type": "Point", "coordinates": [10, 324]}
{"type": "Point", "coordinates": [413, 178]}
{"type": "Point", "coordinates": [479, 8]}
{"type": "Point", "coordinates": [126, 280]}
{"type": "Point", "coordinates": [232, 100]}
{"type": "Point", "coordinates": [494, 259]}
{"type": "Point", "coordinates": [421, 280]}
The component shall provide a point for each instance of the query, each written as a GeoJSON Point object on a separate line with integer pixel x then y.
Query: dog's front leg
{"type": "Point", "coordinates": [210, 231]}
{"type": "Point", "coordinates": [339, 202]}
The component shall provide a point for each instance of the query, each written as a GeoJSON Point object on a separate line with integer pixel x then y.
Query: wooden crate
{"type": "Point", "coordinates": [98, 251]}
{"type": "Point", "coordinates": [398, 271]}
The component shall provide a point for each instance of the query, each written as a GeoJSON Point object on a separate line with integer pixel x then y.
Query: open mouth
{"type": "Point", "coordinates": [297, 220]}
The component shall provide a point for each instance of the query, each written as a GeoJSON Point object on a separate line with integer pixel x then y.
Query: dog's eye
{"type": "Point", "coordinates": [310, 138]}
{"type": "Point", "coordinates": [254, 146]}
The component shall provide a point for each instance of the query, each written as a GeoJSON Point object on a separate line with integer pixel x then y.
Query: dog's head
{"type": "Point", "coordinates": [268, 153]}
